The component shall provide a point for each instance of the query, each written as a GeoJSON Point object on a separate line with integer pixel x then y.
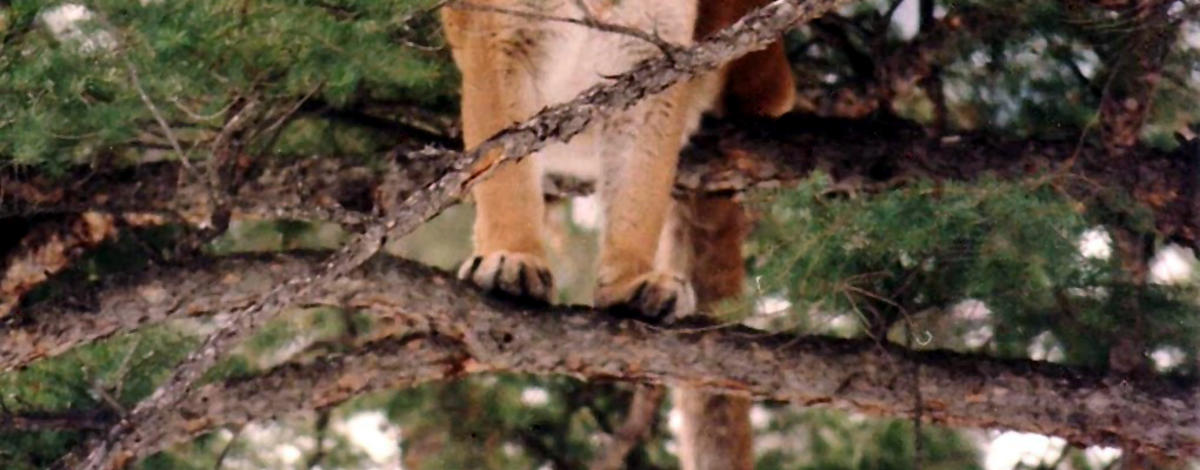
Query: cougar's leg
{"type": "Point", "coordinates": [640, 152]}
{"type": "Point", "coordinates": [637, 193]}
{"type": "Point", "coordinates": [715, 432]}
{"type": "Point", "coordinates": [499, 57]}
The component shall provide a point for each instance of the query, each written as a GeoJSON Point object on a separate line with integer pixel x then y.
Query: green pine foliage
{"type": "Point", "coordinates": [1025, 67]}
{"type": "Point", "coordinates": [104, 377]}
{"type": "Point", "coordinates": [825, 440]}
{"type": "Point", "coordinates": [513, 422]}
{"type": "Point", "coordinates": [71, 98]}
{"type": "Point", "coordinates": [1015, 247]}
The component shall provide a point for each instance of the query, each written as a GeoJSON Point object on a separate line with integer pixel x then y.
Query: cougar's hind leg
{"type": "Point", "coordinates": [499, 57]}
{"type": "Point", "coordinates": [716, 433]}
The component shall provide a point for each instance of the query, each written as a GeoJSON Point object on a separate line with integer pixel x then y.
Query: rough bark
{"type": "Point", "coordinates": [322, 189]}
{"type": "Point", "coordinates": [1154, 416]}
{"type": "Point", "coordinates": [47, 248]}
{"type": "Point", "coordinates": [865, 153]}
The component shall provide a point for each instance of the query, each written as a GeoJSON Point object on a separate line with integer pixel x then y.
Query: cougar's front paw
{"type": "Point", "coordinates": [522, 276]}
{"type": "Point", "coordinates": [655, 297]}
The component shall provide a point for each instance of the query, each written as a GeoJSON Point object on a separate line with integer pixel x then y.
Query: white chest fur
{"type": "Point", "coordinates": [577, 57]}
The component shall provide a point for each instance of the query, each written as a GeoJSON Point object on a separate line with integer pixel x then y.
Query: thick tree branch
{"type": "Point", "coordinates": [859, 154]}
{"type": "Point", "coordinates": [876, 154]}
{"type": "Point", "coordinates": [1156, 416]}
{"type": "Point", "coordinates": [869, 153]}
{"type": "Point", "coordinates": [47, 248]}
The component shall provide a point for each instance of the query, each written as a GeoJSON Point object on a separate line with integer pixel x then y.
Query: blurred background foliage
{"type": "Point", "coordinates": [1013, 268]}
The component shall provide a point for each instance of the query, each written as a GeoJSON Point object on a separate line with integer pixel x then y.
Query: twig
{"type": "Point", "coordinates": [589, 20]}
{"type": "Point", "coordinates": [642, 414]}
{"type": "Point", "coordinates": [123, 368]}
{"type": "Point", "coordinates": [158, 117]}
{"type": "Point", "coordinates": [406, 27]}
{"type": "Point", "coordinates": [197, 116]}
{"type": "Point", "coordinates": [276, 128]}
{"type": "Point", "coordinates": [321, 426]}
{"type": "Point", "coordinates": [295, 107]}
{"type": "Point", "coordinates": [135, 80]}
{"type": "Point", "coordinates": [918, 403]}
{"type": "Point", "coordinates": [59, 421]}
{"type": "Point", "coordinates": [237, 431]}
{"type": "Point", "coordinates": [220, 158]}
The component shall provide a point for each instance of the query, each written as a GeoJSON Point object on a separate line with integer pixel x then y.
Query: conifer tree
{"type": "Point", "coordinates": [966, 182]}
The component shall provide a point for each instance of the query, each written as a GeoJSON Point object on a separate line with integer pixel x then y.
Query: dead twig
{"type": "Point", "coordinates": [642, 414]}
{"type": "Point", "coordinates": [588, 20]}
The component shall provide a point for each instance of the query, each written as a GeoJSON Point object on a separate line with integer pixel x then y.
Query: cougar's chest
{"type": "Point", "coordinates": [576, 57]}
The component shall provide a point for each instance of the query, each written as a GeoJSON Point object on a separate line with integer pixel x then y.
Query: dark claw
{"type": "Point", "coordinates": [636, 300]}
{"type": "Point", "coordinates": [474, 266]}
{"type": "Point", "coordinates": [523, 280]}
{"type": "Point", "coordinates": [496, 276]}
{"type": "Point", "coordinates": [667, 308]}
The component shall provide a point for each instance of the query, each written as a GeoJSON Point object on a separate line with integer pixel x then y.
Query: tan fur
{"type": "Point", "coordinates": [715, 432]}
{"type": "Point", "coordinates": [757, 84]}
{"type": "Point", "coordinates": [513, 67]}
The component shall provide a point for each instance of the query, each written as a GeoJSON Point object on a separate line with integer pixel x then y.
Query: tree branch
{"type": "Point", "coordinates": [75, 421]}
{"type": "Point", "coordinates": [468, 333]}
{"type": "Point", "coordinates": [47, 248]}
{"type": "Point", "coordinates": [321, 383]}
{"type": "Point", "coordinates": [872, 152]}
{"type": "Point", "coordinates": [641, 416]}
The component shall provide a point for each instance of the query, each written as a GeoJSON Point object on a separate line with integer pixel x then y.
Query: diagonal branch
{"type": "Point", "coordinates": [327, 381]}
{"type": "Point", "coordinates": [563, 121]}
{"type": "Point", "coordinates": [875, 152]}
